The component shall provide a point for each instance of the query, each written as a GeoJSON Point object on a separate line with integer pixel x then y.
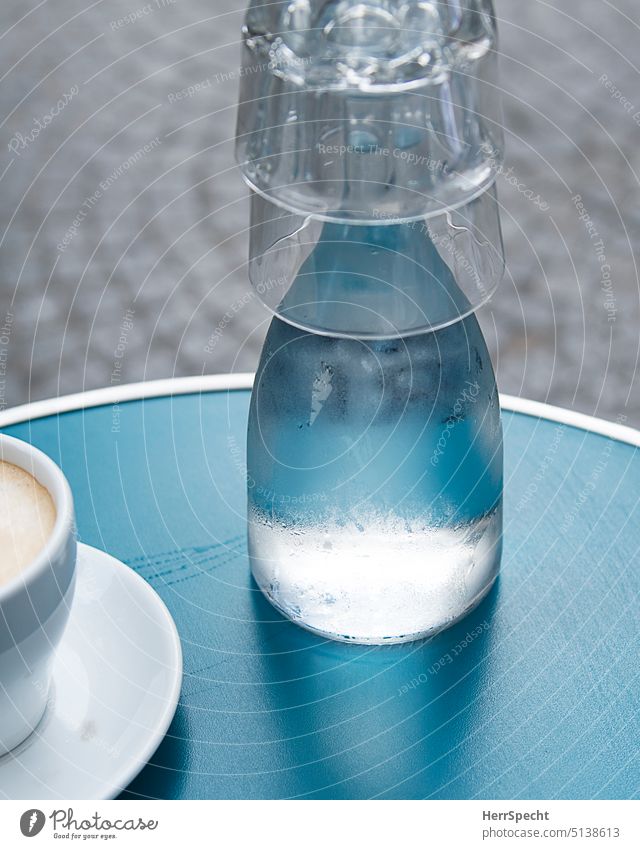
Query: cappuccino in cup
{"type": "Point", "coordinates": [27, 519]}
{"type": "Point", "coordinates": [37, 578]}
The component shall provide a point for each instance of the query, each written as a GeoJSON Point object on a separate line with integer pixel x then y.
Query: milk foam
{"type": "Point", "coordinates": [27, 517]}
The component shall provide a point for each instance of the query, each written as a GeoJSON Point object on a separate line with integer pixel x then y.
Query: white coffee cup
{"type": "Point", "coordinates": [34, 604]}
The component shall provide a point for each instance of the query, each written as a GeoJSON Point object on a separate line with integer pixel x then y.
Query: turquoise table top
{"type": "Point", "coordinates": [534, 695]}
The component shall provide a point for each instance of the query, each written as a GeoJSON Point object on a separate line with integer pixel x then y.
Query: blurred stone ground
{"type": "Point", "coordinates": [128, 282]}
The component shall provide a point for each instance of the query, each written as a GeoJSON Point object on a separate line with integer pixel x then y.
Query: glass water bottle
{"type": "Point", "coordinates": [369, 135]}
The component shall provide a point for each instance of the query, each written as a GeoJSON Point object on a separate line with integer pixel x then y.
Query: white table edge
{"type": "Point", "coordinates": [167, 387]}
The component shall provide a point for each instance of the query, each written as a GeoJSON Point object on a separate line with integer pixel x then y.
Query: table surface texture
{"type": "Point", "coordinates": [534, 695]}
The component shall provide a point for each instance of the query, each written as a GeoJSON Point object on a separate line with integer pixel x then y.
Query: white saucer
{"type": "Point", "coordinates": [116, 682]}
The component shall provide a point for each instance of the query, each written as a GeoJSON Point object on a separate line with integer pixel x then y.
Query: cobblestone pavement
{"type": "Point", "coordinates": [123, 219]}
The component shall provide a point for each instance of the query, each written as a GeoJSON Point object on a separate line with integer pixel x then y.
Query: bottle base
{"type": "Point", "coordinates": [383, 641]}
{"type": "Point", "coordinates": [386, 584]}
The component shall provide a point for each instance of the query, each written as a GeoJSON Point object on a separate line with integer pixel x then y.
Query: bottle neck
{"type": "Point", "coordinates": [374, 281]}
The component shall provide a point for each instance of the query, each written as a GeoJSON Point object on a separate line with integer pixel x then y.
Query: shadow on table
{"type": "Point", "coordinates": [359, 721]}
{"type": "Point", "coordinates": [348, 721]}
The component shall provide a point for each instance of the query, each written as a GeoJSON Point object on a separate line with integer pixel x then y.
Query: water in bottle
{"type": "Point", "coordinates": [374, 463]}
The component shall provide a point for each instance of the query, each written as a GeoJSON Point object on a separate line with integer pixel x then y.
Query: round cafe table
{"type": "Point", "coordinates": [534, 695]}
